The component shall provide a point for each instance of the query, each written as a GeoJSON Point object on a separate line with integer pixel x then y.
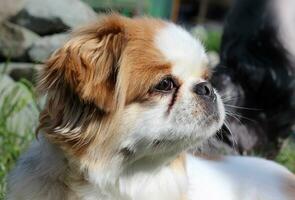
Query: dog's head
{"type": "Point", "coordinates": [130, 89]}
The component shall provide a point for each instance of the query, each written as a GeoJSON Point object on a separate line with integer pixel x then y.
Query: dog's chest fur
{"type": "Point", "coordinates": [162, 184]}
{"type": "Point", "coordinates": [165, 182]}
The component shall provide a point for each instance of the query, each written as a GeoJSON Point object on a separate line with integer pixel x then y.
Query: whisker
{"type": "Point", "coordinates": [241, 107]}
{"type": "Point", "coordinates": [234, 141]}
{"type": "Point", "coordinates": [229, 98]}
{"type": "Point", "coordinates": [235, 116]}
{"type": "Point", "coordinates": [240, 116]}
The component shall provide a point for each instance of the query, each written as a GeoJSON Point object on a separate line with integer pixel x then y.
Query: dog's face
{"type": "Point", "coordinates": [129, 88]}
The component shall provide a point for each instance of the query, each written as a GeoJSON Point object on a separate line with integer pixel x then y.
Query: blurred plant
{"type": "Point", "coordinates": [211, 39]}
{"type": "Point", "coordinates": [18, 118]}
{"type": "Point", "coordinates": [286, 155]}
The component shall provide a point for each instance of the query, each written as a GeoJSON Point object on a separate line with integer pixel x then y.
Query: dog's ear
{"type": "Point", "coordinates": [88, 63]}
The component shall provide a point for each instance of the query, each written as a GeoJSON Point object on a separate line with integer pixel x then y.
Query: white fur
{"type": "Point", "coordinates": [185, 53]}
{"type": "Point", "coordinates": [236, 178]}
{"type": "Point", "coordinates": [157, 185]}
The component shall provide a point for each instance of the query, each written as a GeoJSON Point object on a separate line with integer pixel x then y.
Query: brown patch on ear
{"type": "Point", "coordinates": [80, 81]}
{"type": "Point", "coordinates": [290, 186]}
{"type": "Point", "coordinates": [88, 63]}
{"type": "Point", "coordinates": [65, 121]}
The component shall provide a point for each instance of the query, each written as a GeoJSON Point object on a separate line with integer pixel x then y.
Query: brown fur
{"type": "Point", "coordinates": [104, 67]}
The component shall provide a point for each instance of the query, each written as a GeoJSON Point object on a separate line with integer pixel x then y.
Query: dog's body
{"type": "Point", "coordinates": [185, 178]}
{"type": "Point", "coordinates": [126, 98]}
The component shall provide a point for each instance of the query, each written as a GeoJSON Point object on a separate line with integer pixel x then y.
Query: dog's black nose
{"type": "Point", "coordinates": [203, 89]}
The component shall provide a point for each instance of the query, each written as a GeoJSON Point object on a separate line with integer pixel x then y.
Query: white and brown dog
{"type": "Point", "coordinates": [125, 99]}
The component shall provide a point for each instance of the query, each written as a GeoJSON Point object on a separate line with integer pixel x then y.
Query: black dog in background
{"type": "Point", "coordinates": [256, 74]}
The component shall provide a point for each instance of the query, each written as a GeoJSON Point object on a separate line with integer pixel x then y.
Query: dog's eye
{"type": "Point", "coordinates": [165, 85]}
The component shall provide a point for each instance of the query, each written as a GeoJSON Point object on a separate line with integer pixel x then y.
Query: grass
{"type": "Point", "coordinates": [210, 39]}
{"type": "Point", "coordinates": [287, 154]}
{"type": "Point", "coordinates": [18, 118]}
{"type": "Point", "coordinates": [12, 144]}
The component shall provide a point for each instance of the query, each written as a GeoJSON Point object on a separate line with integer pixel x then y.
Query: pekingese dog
{"type": "Point", "coordinates": [125, 99]}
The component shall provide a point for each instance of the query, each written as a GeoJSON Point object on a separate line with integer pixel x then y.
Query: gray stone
{"type": "Point", "coordinates": [18, 71]}
{"type": "Point", "coordinates": [14, 41]}
{"type": "Point", "coordinates": [19, 102]}
{"type": "Point", "coordinates": [42, 48]}
{"type": "Point", "coordinates": [53, 16]}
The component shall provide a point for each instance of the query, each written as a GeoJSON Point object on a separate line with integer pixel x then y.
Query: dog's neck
{"type": "Point", "coordinates": [166, 178]}
{"type": "Point", "coordinates": [133, 181]}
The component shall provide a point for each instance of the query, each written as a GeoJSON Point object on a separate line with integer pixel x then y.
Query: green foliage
{"type": "Point", "coordinates": [18, 118]}
{"type": "Point", "coordinates": [12, 145]}
{"type": "Point", "coordinates": [213, 41]}
{"type": "Point", "coordinates": [210, 38]}
{"type": "Point", "coordinates": [287, 154]}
